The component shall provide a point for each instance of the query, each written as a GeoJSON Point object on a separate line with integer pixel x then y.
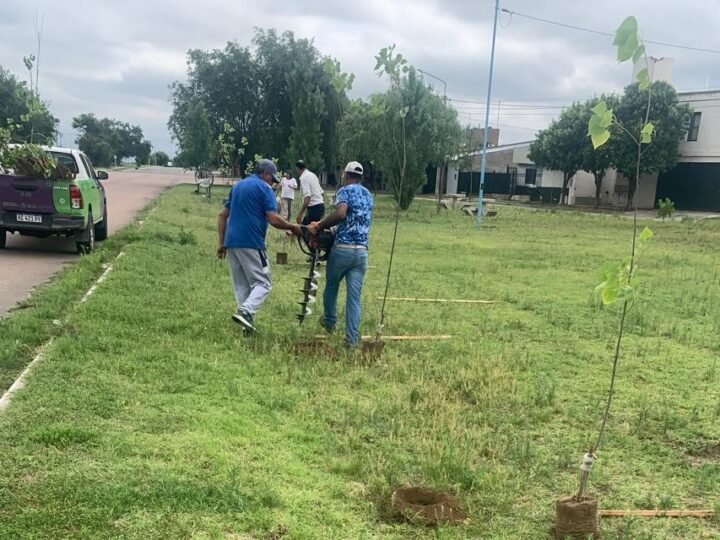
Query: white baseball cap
{"type": "Point", "coordinates": [354, 167]}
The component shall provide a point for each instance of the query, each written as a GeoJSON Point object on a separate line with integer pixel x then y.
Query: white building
{"type": "Point", "coordinates": [509, 171]}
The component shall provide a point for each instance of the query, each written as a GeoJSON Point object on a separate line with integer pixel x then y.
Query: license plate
{"type": "Point", "coordinates": [29, 218]}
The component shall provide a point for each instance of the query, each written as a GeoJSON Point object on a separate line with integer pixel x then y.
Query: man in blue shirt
{"type": "Point", "coordinates": [242, 225]}
{"type": "Point", "coordinates": [349, 254]}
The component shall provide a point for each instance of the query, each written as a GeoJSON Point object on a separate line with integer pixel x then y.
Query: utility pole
{"type": "Point", "coordinates": [487, 118]}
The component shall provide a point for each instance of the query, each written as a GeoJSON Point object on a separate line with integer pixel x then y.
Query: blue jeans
{"type": "Point", "coordinates": [350, 264]}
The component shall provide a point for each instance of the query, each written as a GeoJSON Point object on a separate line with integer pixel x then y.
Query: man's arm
{"type": "Point", "coordinates": [277, 221]}
{"type": "Point", "coordinates": [301, 213]}
{"type": "Point", "coordinates": [221, 228]}
{"type": "Point", "coordinates": [338, 215]}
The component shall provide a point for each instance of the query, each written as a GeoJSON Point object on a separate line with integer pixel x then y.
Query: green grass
{"type": "Point", "coordinates": [153, 417]}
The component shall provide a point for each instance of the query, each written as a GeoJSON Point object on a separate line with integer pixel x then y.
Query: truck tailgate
{"type": "Point", "coordinates": [24, 194]}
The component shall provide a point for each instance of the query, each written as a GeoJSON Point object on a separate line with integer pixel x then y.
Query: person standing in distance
{"type": "Point", "coordinates": [242, 225]}
{"type": "Point", "coordinates": [288, 185]}
{"type": "Point", "coordinates": [312, 193]}
{"type": "Point", "coordinates": [349, 254]}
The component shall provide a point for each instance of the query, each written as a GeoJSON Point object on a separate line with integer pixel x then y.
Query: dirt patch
{"type": "Point", "coordinates": [576, 519]}
{"type": "Point", "coordinates": [709, 453]}
{"type": "Point", "coordinates": [427, 506]}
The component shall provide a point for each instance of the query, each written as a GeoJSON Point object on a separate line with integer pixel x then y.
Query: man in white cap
{"type": "Point", "coordinates": [349, 254]}
{"type": "Point", "coordinates": [242, 225]}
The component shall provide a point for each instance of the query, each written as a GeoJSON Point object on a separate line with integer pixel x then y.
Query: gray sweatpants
{"type": "Point", "coordinates": [250, 273]}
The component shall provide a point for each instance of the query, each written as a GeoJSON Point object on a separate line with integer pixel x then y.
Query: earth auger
{"type": "Point", "coordinates": [314, 247]}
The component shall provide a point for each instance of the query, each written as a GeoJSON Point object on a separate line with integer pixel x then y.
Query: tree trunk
{"type": "Point", "coordinates": [566, 180]}
{"type": "Point", "coordinates": [442, 182]}
{"type": "Point", "coordinates": [598, 187]}
{"type": "Point", "coordinates": [632, 188]}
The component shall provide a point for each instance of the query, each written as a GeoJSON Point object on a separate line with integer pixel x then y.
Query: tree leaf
{"type": "Point", "coordinates": [647, 133]}
{"type": "Point", "coordinates": [626, 39]}
{"type": "Point", "coordinates": [609, 295]}
{"type": "Point", "coordinates": [599, 139]}
{"type": "Point", "coordinates": [646, 234]}
{"type": "Point", "coordinates": [599, 109]}
{"type": "Point", "coordinates": [643, 79]}
{"type": "Point", "coordinates": [639, 53]}
{"type": "Point", "coordinates": [594, 126]}
{"type": "Point", "coordinates": [607, 118]}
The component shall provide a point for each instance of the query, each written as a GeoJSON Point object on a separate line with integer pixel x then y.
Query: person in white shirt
{"type": "Point", "coordinates": [288, 185]}
{"type": "Point", "coordinates": [313, 201]}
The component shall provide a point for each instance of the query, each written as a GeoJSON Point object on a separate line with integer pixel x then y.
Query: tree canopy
{"type": "Point", "coordinates": [280, 98]}
{"type": "Point", "coordinates": [29, 116]}
{"type": "Point", "coordinates": [561, 145]}
{"type": "Point", "coordinates": [670, 119]}
{"type": "Point", "coordinates": [106, 139]}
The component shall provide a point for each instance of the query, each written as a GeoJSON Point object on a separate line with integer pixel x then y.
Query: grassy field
{"type": "Point", "coordinates": [152, 417]}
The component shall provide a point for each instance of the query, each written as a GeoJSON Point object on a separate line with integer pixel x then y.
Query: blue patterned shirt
{"type": "Point", "coordinates": [355, 228]}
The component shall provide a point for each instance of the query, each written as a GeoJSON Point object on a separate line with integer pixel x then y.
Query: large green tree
{"type": "Point", "coordinates": [196, 136]}
{"type": "Point", "coordinates": [159, 158]}
{"type": "Point", "coordinates": [562, 144]}
{"type": "Point", "coordinates": [670, 119]}
{"type": "Point", "coordinates": [105, 140]}
{"type": "Point", "coordinates": [281, 98]}
{"type": "Point", "coordinates": [30, 116]}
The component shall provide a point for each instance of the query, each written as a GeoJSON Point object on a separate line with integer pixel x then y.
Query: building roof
{"type": "Point", "coordinates": [494, 149]}
{"type": "Point", "coordinates": [695, 92]}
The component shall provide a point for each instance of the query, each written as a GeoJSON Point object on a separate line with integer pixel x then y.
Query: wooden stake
{"type": "Point", "coordinates": [658, 513]}
{"type": "Point", "coordinates": [439, 300]}
{"type": "Point", "coordinates": [398, 338]}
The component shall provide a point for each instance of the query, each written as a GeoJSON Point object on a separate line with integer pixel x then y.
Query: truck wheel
{"type": "Point", "coordinates": [101, 230]}
{"type": "Point", "coordinates": [87, 245]}
{"type": "Point", "coordinates": [3, 238]}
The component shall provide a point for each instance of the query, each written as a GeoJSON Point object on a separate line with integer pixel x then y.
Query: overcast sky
{"type": "Point", "coordinates": [117, 59]}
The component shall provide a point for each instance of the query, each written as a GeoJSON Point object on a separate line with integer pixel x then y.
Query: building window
{"type": "Point", "coordinates": [694, 127]}
{"type": "Point", "coordinates": [530, 176]}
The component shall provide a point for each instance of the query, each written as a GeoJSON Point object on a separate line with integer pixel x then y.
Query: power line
{"type": "Point", "coordinates": [502, 108]}
{"type": "Point", "coordinates": [609, 34]}
{"type": "Point", "coordinates": [478, 113]}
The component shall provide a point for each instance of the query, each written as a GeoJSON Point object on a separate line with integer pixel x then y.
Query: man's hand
{"type": "Point", "coordinates": [313, 227]}
{"type": "Point", "coordinates": [296, 230]}
{"type": "Point", "coordinates": [221, 252]}
{"type": "Point", "coordinates": [299, 219]}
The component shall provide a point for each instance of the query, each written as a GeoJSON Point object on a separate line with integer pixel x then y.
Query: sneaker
{"type": "Point", "coordinates": [328, 329]}
{"type": "Point", "coordinates": [244, 319]}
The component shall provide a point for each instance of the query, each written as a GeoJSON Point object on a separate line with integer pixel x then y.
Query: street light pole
{"type": "Point", "coordinates": [444, 171]}
{"type": "Point", "coordinates": [437, 78]}
{"type": "Point", "coordinates": [487, 118]}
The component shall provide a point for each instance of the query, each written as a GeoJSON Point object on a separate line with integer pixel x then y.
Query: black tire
{"type": "Point", "coordinates": [3, 238]}
{"type": "Point", "coordinates": [101, 229]}
{"type": "Point", "coordinates": [86, 247]}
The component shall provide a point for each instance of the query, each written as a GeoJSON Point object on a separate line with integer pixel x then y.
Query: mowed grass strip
{"type": "Point", "coordinates": [153, 417]}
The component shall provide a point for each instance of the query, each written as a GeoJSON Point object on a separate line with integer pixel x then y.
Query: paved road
{"type": "Point", "coordinates": [28, 262]}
